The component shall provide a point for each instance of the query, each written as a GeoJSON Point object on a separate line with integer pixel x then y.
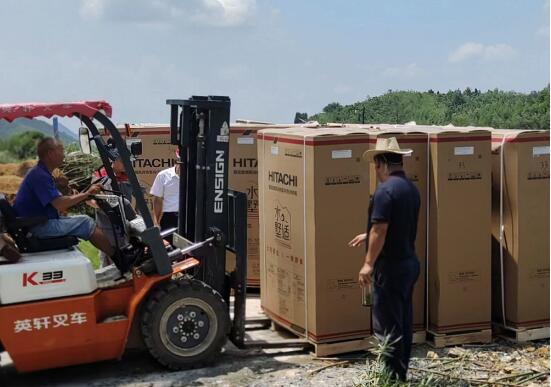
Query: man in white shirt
{"type": "Point", "coordinates": [166, 194]}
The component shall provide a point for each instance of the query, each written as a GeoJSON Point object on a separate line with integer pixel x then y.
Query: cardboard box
{"type": "Point", "coordinates": [524, 185]}
{"type": "Point", "coordinates": [459, 259]}
{"type": "Point", "coordinates": [416, 167]}
{"type": "Point", "coordinates": [243, 177]}
{"type": "Point", "coordinates": [313, 188]}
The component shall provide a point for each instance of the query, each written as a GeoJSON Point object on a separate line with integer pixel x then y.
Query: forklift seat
{"type": "Point", "coordinates": [19, 229]}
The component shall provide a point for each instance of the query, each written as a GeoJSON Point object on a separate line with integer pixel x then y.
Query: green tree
{"type": "Point", "coordinates": [23, 145]}
{"type": "Point", "coordinates": [300, 117]}
{"type": "Point", "coordinates": [495, 108]}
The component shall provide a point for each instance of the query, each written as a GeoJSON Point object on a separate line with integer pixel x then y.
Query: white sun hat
{"type": "Point", "coordinates": [385, 145]}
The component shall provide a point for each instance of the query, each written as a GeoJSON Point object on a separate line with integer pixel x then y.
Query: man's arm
{"type": "Point", "coordinates": [157, 210]}
{"type": "Point", "coordinates": [63, 203]}
{"type": "Point", "coordinates": [376, 242]}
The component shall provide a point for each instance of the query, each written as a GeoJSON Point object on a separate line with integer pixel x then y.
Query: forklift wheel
{"type": "Point", "coordinates": [185, 324]}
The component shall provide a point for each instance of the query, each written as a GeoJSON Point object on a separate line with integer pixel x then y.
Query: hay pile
{"type": "Point", "coordinates": [76, 171]}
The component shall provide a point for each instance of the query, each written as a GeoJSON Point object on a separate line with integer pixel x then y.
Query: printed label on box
{"type": "Point", "coordinates": [275, 150]}
{"type": "Point", "coordinates": [540, 151]}
{"type": "Point", "coordinates": [463, 276]}
{"type": "Point", "coordinates": [540, 273]}
{"type": "Point", "coordinates": [341, 180]}
{"type": "Point", "coordinates": [245, 140]}
{"type": "Point", "coordinates": [342, 283]}
{"type": "Point", "coordinates": [293, 153]}
{"type": "Point", "coordinates": [298, 288]}
{"type": "Point", "coordinates": [463, 150]}
{"type": "Point", "coordinates": [341, 154]}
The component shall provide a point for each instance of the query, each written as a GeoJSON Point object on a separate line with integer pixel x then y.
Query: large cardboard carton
{"type": "Point", "coordinates": [313, 191]}
{"type": "Point", "coordinates": [459, 258]}
{"type": "Point", "coordinates": [416, 167]}
{"type": "Point", "coordinates": [243, 177]}
{"type": "Point", "coordinates": [520, 203]}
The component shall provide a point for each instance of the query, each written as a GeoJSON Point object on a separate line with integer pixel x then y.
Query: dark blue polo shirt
{"type": "Point", "coordinates": [396, 202]}
{"type": "Point", "coordinates": [36, 193]}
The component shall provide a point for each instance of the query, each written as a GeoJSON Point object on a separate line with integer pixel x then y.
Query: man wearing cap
{"type": "Point", "coordinates": [166, 194]}
{"type": "Point", "coordinates": [391, 266]}
{"type": "Point", "coordinates": [38, 197]}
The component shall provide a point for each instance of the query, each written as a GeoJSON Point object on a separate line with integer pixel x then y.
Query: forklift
{"type": "Point", "coordinates": [174, 301]}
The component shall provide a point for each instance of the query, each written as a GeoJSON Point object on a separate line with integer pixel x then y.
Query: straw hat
{"type": "Point", "coordinates": [385, 145]}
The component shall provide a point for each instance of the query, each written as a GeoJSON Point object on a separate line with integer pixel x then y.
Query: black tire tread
{"type": "Point", "coordinates": [163, 356]}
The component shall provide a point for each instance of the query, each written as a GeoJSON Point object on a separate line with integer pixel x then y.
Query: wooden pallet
{"type": "Point", "coordinates": [339, 347]}
{"type": "Point", "coordinates": [419, 337]}
{"type": "Point", "coordinates": [521, 335]}
{"type": "Point", "coordinates": [333, 348]}
{"type": "Point", "coordinates": [438, 340]}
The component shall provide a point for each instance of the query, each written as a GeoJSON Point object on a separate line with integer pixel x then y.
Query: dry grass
{"type": "Point", "coordinates": [16, 169]}
{"type": "Point", "coordinates": [10, 184]}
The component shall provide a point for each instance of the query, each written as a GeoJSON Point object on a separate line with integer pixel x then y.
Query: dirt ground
{"type": "Point", "coordinates": [295, 367]}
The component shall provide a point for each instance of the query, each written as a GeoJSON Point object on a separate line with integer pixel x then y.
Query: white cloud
{"type": "Point", "coordinates": [218, 13]}
{"type": "Point", "coordinates": [473, 50]}
{"type": "Point", "coordinates": [408, 71]}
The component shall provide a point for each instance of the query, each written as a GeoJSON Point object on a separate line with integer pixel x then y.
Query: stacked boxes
{"type": "Point", "coordinates": [520, 187]}
{"type": "Point", "coordinates": [313, 188]}
{"type": "Point", "coordinates": [459, 264]}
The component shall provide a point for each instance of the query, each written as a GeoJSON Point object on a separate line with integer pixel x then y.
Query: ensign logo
{"type": "Point", "coordinates": [48, 277]}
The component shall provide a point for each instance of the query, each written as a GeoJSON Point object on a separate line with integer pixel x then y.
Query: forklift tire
{"type": "Point", "coordinates": [185, 324]}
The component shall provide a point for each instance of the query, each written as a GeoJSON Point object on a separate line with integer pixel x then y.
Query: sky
{"type": "Point", "coordinates": [272, 58]}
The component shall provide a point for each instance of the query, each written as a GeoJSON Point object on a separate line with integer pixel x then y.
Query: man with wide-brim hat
{"type": "Point", "coordinates": [391, 266]}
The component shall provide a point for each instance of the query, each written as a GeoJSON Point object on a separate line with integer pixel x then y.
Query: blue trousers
{"type": "Point", "coordinates": [393, 282]}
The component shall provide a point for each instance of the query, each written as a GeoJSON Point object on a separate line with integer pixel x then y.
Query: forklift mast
{"type": "Point", "coordinates": [207, 208]}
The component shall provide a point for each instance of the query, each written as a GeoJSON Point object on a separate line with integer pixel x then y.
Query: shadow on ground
{"type": "Point", "coordinates": [234, 367]}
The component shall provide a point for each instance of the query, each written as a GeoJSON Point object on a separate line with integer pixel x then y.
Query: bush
{"type": "Point", "coordinates": [7, 157]}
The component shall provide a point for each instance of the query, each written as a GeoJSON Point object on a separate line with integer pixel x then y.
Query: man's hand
{"type": "Point", "coordinates": [94, 189]}
{"type": "Point", "coordinates": [358, 240]}
{"type": "Point", "coordinates": [364, 278]}
{"type": "Point", "coordinates": [63, 203]}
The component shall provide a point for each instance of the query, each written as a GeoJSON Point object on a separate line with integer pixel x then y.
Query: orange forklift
{"type": "Point", "coordinates": [56, 311]}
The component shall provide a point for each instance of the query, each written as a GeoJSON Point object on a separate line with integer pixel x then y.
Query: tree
{"type": "Point", "coordinates": [332, 107]}
{"type": "Point", "coordinates": [300, 118]}
{"type": "Point", "coordinates": [23, 145]}
{"type": "Point", "coordinates": [495, 108]}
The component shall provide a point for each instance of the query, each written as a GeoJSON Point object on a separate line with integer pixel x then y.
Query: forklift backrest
{"type": "Point", "coordinates": [19, 230]}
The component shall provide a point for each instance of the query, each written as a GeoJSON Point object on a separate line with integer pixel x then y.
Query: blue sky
{"type": "Point", "coordinates": [272, 58]}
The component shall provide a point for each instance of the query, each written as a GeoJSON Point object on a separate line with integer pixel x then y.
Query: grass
{"type": "Point", "coordinates": [90, 252]}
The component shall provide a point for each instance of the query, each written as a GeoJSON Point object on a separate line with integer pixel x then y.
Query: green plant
{"type": "Point", "coordinates": [90, 252]}
{"type": "Point", "coordinates": [376, 374]}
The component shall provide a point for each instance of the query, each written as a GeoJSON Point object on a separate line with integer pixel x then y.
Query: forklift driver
{"type": "Point", "coordinates": [38, 197]}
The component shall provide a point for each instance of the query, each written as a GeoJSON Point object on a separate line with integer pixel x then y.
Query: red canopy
{"type": "Point", "coordinates": [10, 112]}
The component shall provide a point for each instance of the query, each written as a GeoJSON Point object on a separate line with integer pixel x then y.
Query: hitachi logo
{"type": "Point", "coordinates": [153, 163]}
{"type": "Point", "coordinates": [219, 182]}
{"type": "Point", "coordinates": [283, 178]}
{"type": "Point", "coordinates": [245, 163]}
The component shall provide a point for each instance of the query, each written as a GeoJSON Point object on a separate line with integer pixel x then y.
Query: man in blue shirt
{"type": "Point", "coordinates": [391, 266]}
{"type": "Point", "coordinates": [38, 197]}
